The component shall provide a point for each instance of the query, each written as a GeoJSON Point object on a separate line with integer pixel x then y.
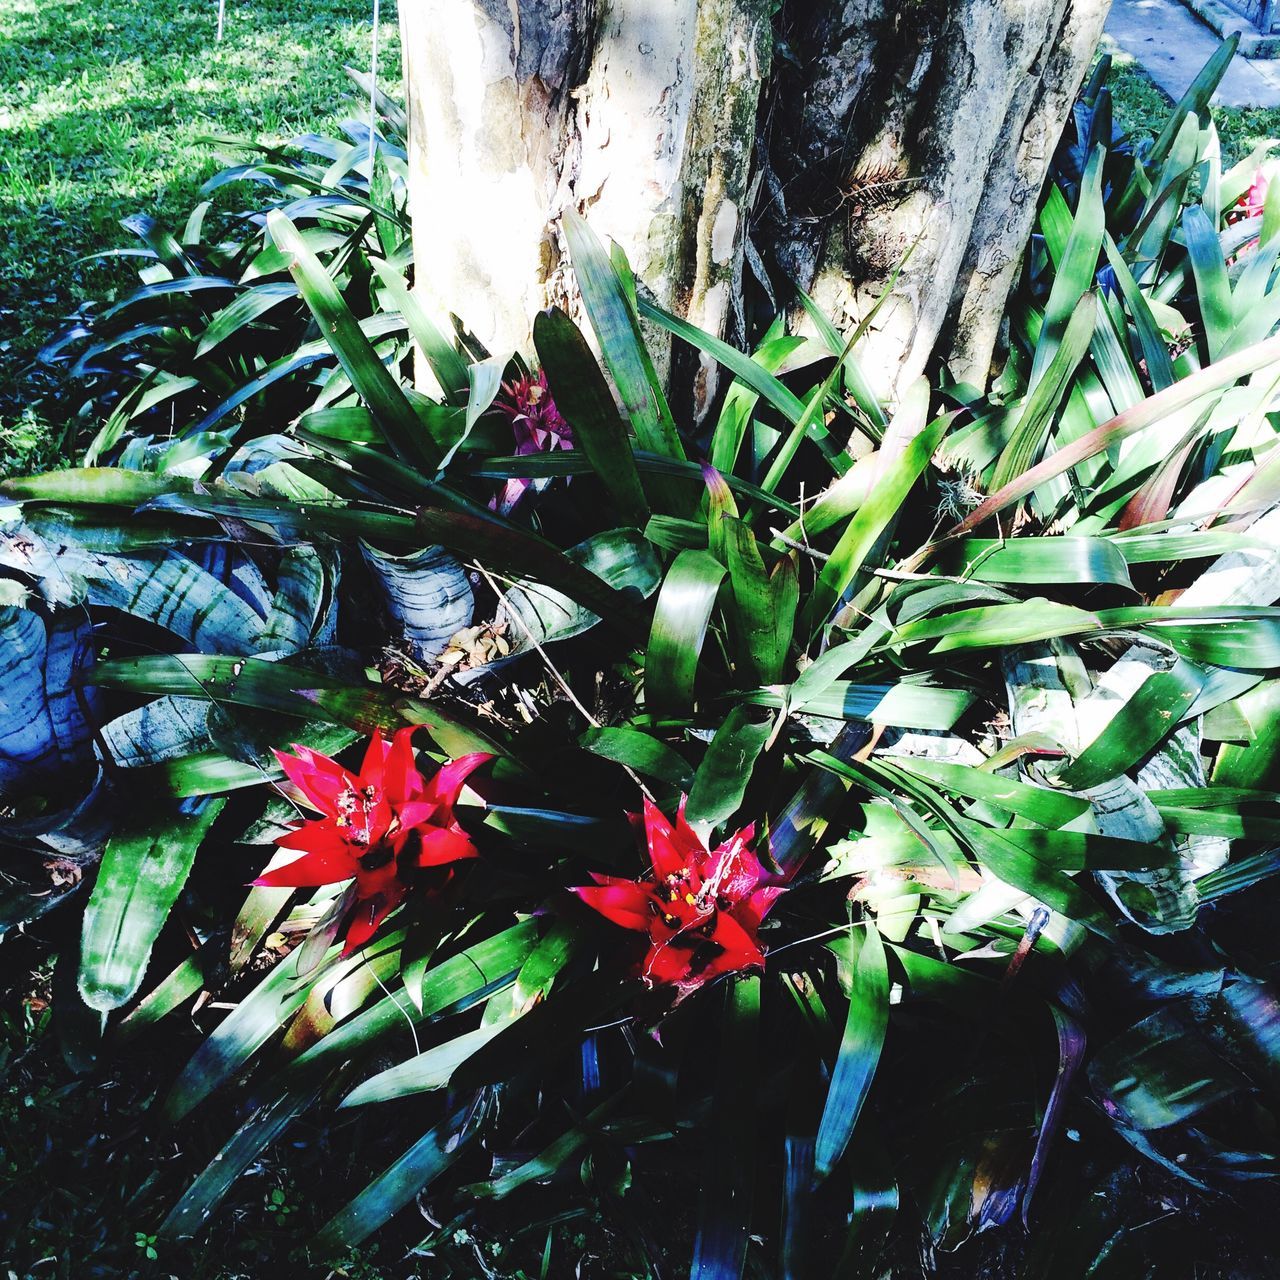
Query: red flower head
{"type": "Point", "coordinates": [536, 424]}
{"type": "Point", "coordinates": [702, 910]}
{"type": "Point", "coordinates": [379, 826]}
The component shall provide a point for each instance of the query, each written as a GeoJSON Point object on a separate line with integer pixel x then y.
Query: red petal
{"type": "Point", "coordinates": [401, 780]}
{"type": "Point", "coordinates": [760, 903]}
{"type": "Point", "coordinates": [441, 845]}
{"type": "Point", "coordinates": [446, 784]}
{"type": "Point", "coordinates": [664, 852]}
{"type": "Point", "coordinates": [668, 965]}
{"type": "Point", "coordinates": [320, 779]}
{"type": "Point", "coordinates": [322, 836]}
{"type": "Point", "coordinates": [366, 916]}
{"type": "Point", "coordinates": [421, 813]}
{"type": "Point", "coordinates": [308, 871]}
{"type": "Point", "coordinates": [374, 755]}
{"type": "Point", "coordinates": [622, 901]}
{"type": "Point", "coordinates": [741, 945]}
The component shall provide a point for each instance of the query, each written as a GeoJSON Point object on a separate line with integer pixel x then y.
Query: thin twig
{"type": "Point", "coordinates": [554, 670]}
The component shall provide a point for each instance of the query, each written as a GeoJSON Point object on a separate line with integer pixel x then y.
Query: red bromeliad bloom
{"type": "Point", "coordinates": [701, 911]}
{"type": "Point", "coordinates": [379, 827]}
{"type": "Point", "coordinates": [536, 423]}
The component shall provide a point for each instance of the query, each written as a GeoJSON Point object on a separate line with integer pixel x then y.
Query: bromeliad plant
{"type": "Point", "coordinates": [963, 752]}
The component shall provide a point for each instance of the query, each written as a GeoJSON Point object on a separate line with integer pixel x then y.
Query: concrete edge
{"type": "Point", "coordinates": [1225, 21]}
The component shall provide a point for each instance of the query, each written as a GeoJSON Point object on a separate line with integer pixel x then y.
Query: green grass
{"type": "Point", "coordinates": [1141, 107]}
{"type": "Point", "coordinates": [102, 111]}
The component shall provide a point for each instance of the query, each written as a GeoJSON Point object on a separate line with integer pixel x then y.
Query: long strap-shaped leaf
{"type": "Point", "coordinates": [680, 623]}
{"type": "Point", "coordinates": [370, 377]}
{"type": "Point", "coordinates": [583, 397]}
{"type": "Point", "coordinates": [1123, 425]}
{"type": "Point", "coordinates": [141, 875]}
{"type": "Point", "coordinates": [862, 954]}
{"type": "Point", "coordinates": [869, 522]}
{"type": "Point", "coordinates": [611, 316]}
{"type": "Point", "coordinates": [388, 1193]}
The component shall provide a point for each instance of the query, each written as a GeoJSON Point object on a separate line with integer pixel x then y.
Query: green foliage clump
{"type": "Point", "coordinates": [978, 690]}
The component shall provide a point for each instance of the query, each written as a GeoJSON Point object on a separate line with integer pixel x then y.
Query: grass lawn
{"type": "Point", "coordinates": [1141, 106]}
{"type": "Point", "coordinates": [102, 110]}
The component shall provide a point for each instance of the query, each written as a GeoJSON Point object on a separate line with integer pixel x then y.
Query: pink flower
{"type": "Point", "coordinates": [1252, 203]}
{"type": "Point", "coordinates": [536, 424]}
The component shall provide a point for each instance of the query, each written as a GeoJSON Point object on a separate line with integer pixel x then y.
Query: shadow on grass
{"type": "Point", "coordinates": [102, 112]}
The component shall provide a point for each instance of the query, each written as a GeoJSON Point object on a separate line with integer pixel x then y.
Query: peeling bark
{"type": "Point", "coordinates": [639, 113]}
{"type": "Point", "coordinates": [679, 130]}
{"type": "Point", "coordinates": [921, 126]}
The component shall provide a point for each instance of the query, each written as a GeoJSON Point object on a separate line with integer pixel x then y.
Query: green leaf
{"type": "Point", "coordinates": [141, 875]}
{"type": "Point", "coordinates": [1256, 763]}
{"type": "Point", "coordinates": [905, 706]}
{"type": "Point", "coordinates": [1039, 804]}
{"type": "Point", "coordinates": [1148, 716]}
{"type": "Point", "coordinates": [258, 1017]}
{"type": "Point", "coordinates": [264, 1125]}
{"type": "Point", "coordinates": [370, 377]}
{"type": "Point", "coordinates": [765, 602]}
{"type": "Point", "coordinates": [524, 554]}
{"type": "Point", "coordinates": [397, 1185]}
{"type": "Point", "coordinates": [622, 558]}
{"type": "Point", "coordinates": [680, 622]}
{"type": "Point", "coordinates": [869, 522]}
{"type": "Point", "coordinates": [1220, 374]}
{"type": "Point", "coordinates": [1034, 560]}
{"type": "Point", "coordinates": [725, 771]}
{"type": "Point", "coordinates": [640, 751]}
{"type": "Point", "coordinates": [1212, 285]}
{"type": "Point", "coordinates": [609, 310]}
{"type": "Point", "coordinates": [583, 398]}
{"type": "Point", "coordinates": [1012, 864]}
{"type": "Point", "coordinates": [254, 682]}
{"type": "Point", "coordinates": [447, 365]}
{"type": "Point", "coordinates": [862, 958]}
{"type": "Point", "coordinates": [1073, 279]}
{"type": "Point", "coordinates": [425, 1071]}
{"type": "Point", "coordinates": [251, 305]}
{"type": "Point", "coordinates": [1029, 434]}
{"type": "Point", "coordinates": [459, 980]}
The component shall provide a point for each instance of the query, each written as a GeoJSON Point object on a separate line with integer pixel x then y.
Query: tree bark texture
{"type": "Point", "coordinates": [816, 145]}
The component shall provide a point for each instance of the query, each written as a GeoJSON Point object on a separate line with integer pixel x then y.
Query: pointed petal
{"type": "Point", "coordinates": [421, 813]}
{"type": "Point", "coordinates": [668, 965]}
{"type": "Point", "coordinates": [759, 904]}
{"type": "Point", "coordinates": [660, 837]}
{"type": "Point", "coordinates": [308, 871]}
{"type": "Point", "coordinates": [739, 944]}
{"type": "Point", "coordinates": [366, 916]}
{"type": "Point", "coordinates": [446, 784]}
{"type": "Point", "coordinates": [401, 780]}
{"type": "Point", "coordinates": [320, 779]}
{"type": "Point", "coordinates": [441, 845]}
{"type": "Point", "coordinates": [374, 756]}
{"type": "Point", "coordinates": [624, 902]}
{"type": "Point", "coordinates": [322, 835]}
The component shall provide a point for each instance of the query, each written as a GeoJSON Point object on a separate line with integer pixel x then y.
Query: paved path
{"type": "Point", "coordinates": [1172, 45]}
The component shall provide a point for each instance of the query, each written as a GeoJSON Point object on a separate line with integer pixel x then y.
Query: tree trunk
{"type": "Point", "coordinates": [818, 145]}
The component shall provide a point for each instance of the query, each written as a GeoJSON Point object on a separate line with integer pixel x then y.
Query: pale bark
{"type": "Point", "coordinates": [639, 113]}
{"type": "Point", "coordinates": [886, 123]}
